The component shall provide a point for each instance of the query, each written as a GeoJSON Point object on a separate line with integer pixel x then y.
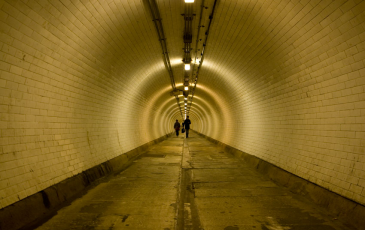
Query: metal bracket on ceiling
{"type": "Point", "coordinates": [196, 74]}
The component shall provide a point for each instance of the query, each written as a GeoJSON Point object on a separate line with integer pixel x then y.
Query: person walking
{"type": "Point", "coordinates": [186, 124]}
{"type": "Point", "coordinates": [177, 127]}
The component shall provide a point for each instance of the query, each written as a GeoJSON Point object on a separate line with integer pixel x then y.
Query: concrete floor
{"type": "Point", "coordinates": [190, 184]}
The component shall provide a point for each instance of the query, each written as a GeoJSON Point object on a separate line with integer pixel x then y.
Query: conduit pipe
{"type": "Point", "coordinates": [203, 49]}
{"type": "Point", "coordinates": [188, 39]}
{"type": "Point", "coordinates": [161, 36]}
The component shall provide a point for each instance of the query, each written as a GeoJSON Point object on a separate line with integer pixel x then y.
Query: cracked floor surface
{"type": "Point", "coordinates": [191, 184]}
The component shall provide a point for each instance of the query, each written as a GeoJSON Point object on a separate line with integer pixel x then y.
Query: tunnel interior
{"type": "Point", "coordinates": [83, 82]}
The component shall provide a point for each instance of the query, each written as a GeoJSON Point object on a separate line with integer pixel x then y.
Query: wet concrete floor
{"type": "Point", "coordinates": [190, 184]}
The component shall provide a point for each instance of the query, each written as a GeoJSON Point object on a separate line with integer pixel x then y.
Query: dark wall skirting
{"type": "Point", "coordinates": [32, 210]}
{"type": "Point", "coordinates": [347, 210]}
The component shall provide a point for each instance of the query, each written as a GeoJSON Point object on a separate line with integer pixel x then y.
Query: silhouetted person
{"type": "Point", "coordinates": [177, 127]}
{"type": "Point", "coordinates": [186, 124]}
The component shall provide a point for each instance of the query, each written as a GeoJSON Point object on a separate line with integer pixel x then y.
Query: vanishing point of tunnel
{"type": "Point", "coordinates": [90, 91]}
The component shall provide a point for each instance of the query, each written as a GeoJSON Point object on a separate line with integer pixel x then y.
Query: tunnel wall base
{"type": "Point", "coordinates": [31, 211]}
{"type": "Point", "coordinates": [346, 210]}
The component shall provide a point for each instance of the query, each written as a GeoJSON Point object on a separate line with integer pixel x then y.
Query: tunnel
{"type": "Point", "coordinates": [87, 85]}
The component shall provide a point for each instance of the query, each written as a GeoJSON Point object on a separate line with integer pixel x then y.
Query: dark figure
{"type": "Point", "coordinates": [186, 124]}
{"type": "Point", "coordinates": [177, 127]}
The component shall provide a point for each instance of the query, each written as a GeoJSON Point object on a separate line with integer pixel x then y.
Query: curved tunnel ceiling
{"type": "Point", "coordinates": [84, 81]}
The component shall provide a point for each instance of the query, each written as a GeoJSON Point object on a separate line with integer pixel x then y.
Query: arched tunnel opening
{"type": "Point", "coordinates": [87, 86]}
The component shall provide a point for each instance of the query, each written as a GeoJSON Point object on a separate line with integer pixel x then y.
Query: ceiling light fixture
{"type": "Point", "coordinates": [189, 1]}
{"type": "Point", "coordinates": [186, 88]}
{"type": "Point", "coordinates": [187, 66]}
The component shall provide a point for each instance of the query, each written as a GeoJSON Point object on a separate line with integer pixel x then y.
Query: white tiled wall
{"type": "Point", "coordinates": [290, 77]}
{"type": "Point", "coordinates": [83, 81]}
{"type": "Point", "coordinates": [79, 84]}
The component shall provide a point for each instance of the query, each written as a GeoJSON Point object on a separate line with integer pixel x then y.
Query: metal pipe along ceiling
{"type": "Point", "coordinates": [159, 28]}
